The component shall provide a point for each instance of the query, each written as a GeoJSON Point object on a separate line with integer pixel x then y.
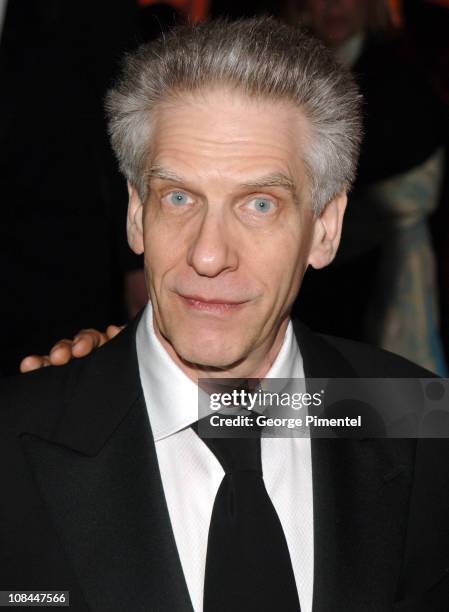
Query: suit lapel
{"type": "Point", "coordinates": [97, 472]}
{"type": "Point", "coordinates": [361, 491]}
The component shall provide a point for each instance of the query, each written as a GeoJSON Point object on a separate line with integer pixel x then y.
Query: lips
{"type": "Point", "coordinates": [213, 300]}
{"type": "Point", "coordinates": [212, 304]}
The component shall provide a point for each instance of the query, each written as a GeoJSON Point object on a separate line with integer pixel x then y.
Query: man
{"type": "Point", "coordinates": [239, 143]}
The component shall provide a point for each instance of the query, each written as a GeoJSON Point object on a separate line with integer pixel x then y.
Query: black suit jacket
{"type": "Point", "coordinates": [82, 506]}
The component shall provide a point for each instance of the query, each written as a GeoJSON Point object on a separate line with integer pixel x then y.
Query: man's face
{"type": "Point", "coordinates": [228, 229]}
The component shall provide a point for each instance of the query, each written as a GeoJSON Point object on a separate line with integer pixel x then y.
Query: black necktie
{"type": "Point", "coordinates": [248, 565]}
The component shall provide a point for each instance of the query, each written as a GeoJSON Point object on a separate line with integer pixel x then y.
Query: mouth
{"type": "Point", "coordinates": [213, 305]}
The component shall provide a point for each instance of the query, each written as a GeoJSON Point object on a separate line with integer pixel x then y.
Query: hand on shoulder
{"type": "Point", "coordinates": [83, 343]}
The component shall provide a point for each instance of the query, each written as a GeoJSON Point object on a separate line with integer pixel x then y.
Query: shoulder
{"type": "Point", "coordinates": [331, 356]}
{"type": "Point", "coordinates": [39, 400]}
{"type": "Point", "coordinates": [371, 361]}
{"type": "Point", "coordinates": [44, 390]}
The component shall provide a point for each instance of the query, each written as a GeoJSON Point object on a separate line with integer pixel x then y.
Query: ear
{"type": "Point", "coordinates": [327, 232]}
{"type": "Point", "coordinates": [134, 221]}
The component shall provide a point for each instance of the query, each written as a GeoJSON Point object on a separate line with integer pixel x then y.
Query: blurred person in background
{"type": "Point", "coordinates": [426, 23]}
{"type": "Point", "coordinates": [386, 241]}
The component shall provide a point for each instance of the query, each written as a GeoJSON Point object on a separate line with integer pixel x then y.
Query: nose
{"type": "Point", "coordinates": [212, 250]}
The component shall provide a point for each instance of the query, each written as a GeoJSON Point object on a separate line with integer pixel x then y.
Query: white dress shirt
{"type": "Point", "coordinates": [191, 474]}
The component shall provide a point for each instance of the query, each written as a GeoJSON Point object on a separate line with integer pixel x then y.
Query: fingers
{"type": "Point", "coordinates": [63, 351]}
{"type": "Point", "coordinates": [34, 362]}
{"type": "Point", "coordinates": [89, 339]}
{"type": "Point", "coordinates": [60, 354]}
{"type": "Point", "coordinates": [86, 341]}
{"type": "Point", "coordinates": [113, 330]}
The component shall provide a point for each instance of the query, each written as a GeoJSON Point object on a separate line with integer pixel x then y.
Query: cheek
{"type": "Point", "coordinates": [162, 244]}
{"type": "Point", "coordinates": [161, 255]}
{"type": "Point", "coordinates": [279, 262]}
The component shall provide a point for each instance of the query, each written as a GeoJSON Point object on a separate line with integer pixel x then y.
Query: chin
{"type": "Point", "coordinates": [210, 351]}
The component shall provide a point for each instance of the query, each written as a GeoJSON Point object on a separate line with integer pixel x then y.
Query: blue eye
{"type": "Point", "coordinates": [178, 198]}
{"type": "Point", "coordinates": [262, 205]}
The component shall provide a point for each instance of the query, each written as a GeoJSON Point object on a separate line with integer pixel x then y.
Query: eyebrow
{"type": "Point", "coordinates": [163, 174]}
{"type": "Point", "coordinates": [274, 179]}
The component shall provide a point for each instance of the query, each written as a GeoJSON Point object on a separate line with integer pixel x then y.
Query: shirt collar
{"type": "Point", "coordinates": [171, 396]}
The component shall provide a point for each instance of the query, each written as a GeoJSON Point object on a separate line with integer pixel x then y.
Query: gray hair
{"type": "Point", "coordinates": [260, 57]}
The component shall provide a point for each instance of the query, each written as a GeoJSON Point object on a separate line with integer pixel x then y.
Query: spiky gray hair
{"type": "Point", "coordinates": [260, 57]}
